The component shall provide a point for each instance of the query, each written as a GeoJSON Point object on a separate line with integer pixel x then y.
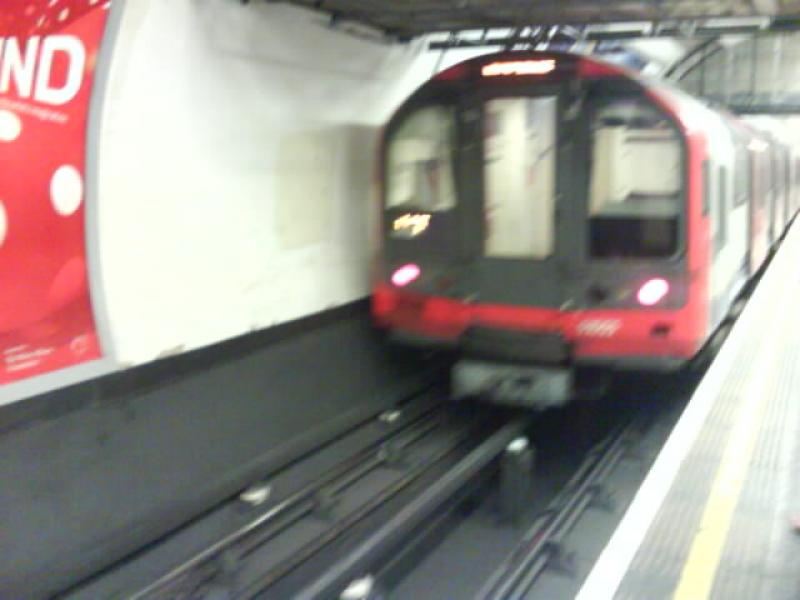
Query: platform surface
{"type": "Point", "coordinates": [713, 518]}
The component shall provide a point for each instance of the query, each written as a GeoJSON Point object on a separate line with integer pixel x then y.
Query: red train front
{"type": "Point", "coordinates": [543, 211]}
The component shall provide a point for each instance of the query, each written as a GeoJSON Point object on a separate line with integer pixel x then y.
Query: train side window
{"type": "Point", "coordinates": [773, 184]}
{"type": "Point", "coordinates": [769, 184]}
{"type": "Point", "coordinates": [786, 164]}
{"type": "Point", "coordinates": [796, 171]}
{"type": "Point", "coordinates": [711, 195]}
{"type": "Point", "coordinates": [761, 187]}
{"type": "Point", "coordinates": [796, 183]}
{"type": "Point", "coordinates": [419, 161]}
{"type": "Point", "coordinates": [636, 185]}
{"type": "Point", "coordinates": [741, 175]}
{"type": "Point", "coordinates": [722, 212]}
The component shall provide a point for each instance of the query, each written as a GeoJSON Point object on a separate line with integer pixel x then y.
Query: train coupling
{"type": "Point", "coordinates": [536, 387]}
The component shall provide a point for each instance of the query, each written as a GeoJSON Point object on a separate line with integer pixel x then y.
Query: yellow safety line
{"type": "Point", "coordinates": [699, 571]}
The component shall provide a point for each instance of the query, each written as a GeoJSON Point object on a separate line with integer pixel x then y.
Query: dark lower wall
{"type": "Point", "coordinates": [93, 472]}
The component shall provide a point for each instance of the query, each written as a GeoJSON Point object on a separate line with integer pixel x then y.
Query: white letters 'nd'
{"type": "Point", "coordinates": [13, 64]}
{"type": "Point", "coordinates": [21, 69]}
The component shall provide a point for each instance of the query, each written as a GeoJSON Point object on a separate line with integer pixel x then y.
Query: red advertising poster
{"type": "Point", "coordinates": [48, 52]}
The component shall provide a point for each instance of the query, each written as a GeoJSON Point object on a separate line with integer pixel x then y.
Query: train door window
{"type": "Point", "coordinates": [636, 184]}
{"type": "Point", "coordinates": [773, 184]}
{"type": "Point", "coordinates": [722, 211]}
{"type": "Point", "coordinates": [786, 167]}
{"type": "Point", "coordinates": [519, 176]}
{"type": "Point", "coordinates": [419, 162]}
{"type": "Point", "coordinates": [762, 179]}
{"type": "Point", "coordinates": [710, 194]}
{"type": "Point", "coordinates": [741, 176]}
{"type": "Point", "coordinates": [796, 183]}
{"type": "Point", "coordinates": [780, 181]}
{"type": "Point", "coordinates": [797, 172]}
{"type": "Point", "coordinates": [796, 180]}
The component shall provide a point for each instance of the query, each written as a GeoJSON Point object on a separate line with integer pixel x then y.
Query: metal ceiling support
{"type": "Point", "coordinates": [757, 75]}
{"type": "Point", "coordinates": [782, 109]}
{"type": "Point", "coordinates": [728, 78]}
{"type": "Point", "coordinates": [702, 90]}
{"type": "Point", "coordinates": [777, 61]}
{"type": "Point", "coordinates": [682, 30]}
{"type": "Point", "coordinates": [412, 18]}
{"type": "Point", "coordinates": [697, 55]}
{"type": "Point", "coordinates": [753, 66]}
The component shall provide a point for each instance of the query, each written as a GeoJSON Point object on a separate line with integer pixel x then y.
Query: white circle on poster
{"type": "Point", "coordinates": [10, 126]}
{"type": "Point", "coordinates": [66, 190]}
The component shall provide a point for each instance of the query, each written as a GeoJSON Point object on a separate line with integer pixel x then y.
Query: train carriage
{"type": "Point", "coordinates": [544, 212]}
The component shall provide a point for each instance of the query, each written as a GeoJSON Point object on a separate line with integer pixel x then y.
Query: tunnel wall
{"type": "Point", "coordinates": [236, 169]}
{"type": "Point", "coordinates": [95, 471]}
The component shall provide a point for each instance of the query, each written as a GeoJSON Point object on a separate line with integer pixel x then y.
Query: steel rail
{"type": "Point", "coordinates": [393, 531]}
{"type": "Point", "coordinates": [372, 455]}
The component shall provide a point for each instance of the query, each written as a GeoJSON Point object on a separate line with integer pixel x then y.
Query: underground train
{"type": "Point", "coordinates": [544, 213]}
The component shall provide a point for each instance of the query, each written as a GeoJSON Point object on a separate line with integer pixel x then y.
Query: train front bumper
{"type": "Point", "coordinates": [536, 387]}
{"type": "Point", "coordinates": [619, 338]}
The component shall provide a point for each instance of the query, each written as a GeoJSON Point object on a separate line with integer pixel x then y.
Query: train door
{"type": "Point", "coordinates": [796, 203]}
{"type": "Point", "coordinates": [795, 184]}
{"type": "Point", "coordinates": [739, 219]}
{"type": "Point", "coordinates": [787, 186]}
{"type": "Point", "coordinates": [774, 195]}
{"type": "Point", "coordinates": [781, 192]}
{"type": "Point", "coordinates": [713, 199]}
{"type": "Point", "coordinates": [513, 172]}
{"type": "Point", "coordinates": [759, 204]}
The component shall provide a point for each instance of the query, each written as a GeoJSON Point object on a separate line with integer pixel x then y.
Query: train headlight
{"type": "Point", "coordinates": [406, 274]}
{"type": "Point", "coordinates": [652, 291]}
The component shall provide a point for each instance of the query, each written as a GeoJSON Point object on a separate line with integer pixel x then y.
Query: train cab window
{"type": "Point", "coordinates": [519, 175]}
{"type": "Point", "coordinates": [419, 161]}
{"type": "Point", "coordinates": [636, 184]}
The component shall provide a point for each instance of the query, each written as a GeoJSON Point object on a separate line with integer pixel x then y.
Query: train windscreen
{"type": "Point", "coordinates": [636, 186]}
{"type": "Point", "coordinates": [419, 161]}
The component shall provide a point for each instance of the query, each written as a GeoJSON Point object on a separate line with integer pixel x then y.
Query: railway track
{"type": "Point", "coordinates": [542, 544]}
{"type": "Point", "coordinates": [419, 456]}
{"type": "Point", "coordinates": [257, 560]}
{"type": "Point", "coordinates": [383, 506]}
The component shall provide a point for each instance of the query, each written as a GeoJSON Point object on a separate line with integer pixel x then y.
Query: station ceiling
{"type": "Point", "coordinates": [410, 18]}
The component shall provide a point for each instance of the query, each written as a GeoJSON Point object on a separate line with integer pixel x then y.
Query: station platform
{"type": "Point", "coordinates": [713, 518]}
